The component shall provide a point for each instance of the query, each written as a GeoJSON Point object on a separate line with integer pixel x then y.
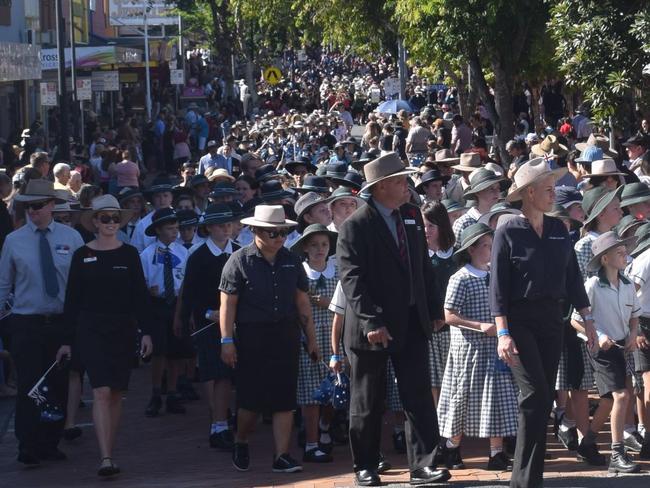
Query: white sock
{"type": "Point", "coordinates": [641, 429]}
{"type": "Point", "coordinates": [311, 445]}
{"type": "Point", "coordinates": [213, 429]}
{"type": "Point", "coordinates": [450, 444]}
{"type": "Point", "coordinates": [322, 425]}
{"type": "Point", "coordinates": [220, 426]}
{"type": "Point", "coordinates": [629, 429]}
{"type": "Point", "coordinates": [495, 450]}
{"type": "Point", "coordinates": [567, 424]}
{"type": "Point", "coordinates": [325, 438]}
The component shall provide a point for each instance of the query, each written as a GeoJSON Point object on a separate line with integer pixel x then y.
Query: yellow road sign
{"type": "Point", "coordinates": [272, 75]}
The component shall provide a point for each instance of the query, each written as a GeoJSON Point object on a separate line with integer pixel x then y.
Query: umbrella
{"type": "Point", "coordinates": [393, 106]}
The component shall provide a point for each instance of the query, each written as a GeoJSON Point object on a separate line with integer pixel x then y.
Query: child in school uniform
{"type": "Point", "coordinates": [616, 310]}
{"type": "Point", "coordinates": [478, 397]}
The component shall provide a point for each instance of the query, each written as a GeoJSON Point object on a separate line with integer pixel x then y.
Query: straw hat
{"type": "Point", "coordinates": [597, 140]}
{"type": "Point", "coordinates": [37, 190]}
{"type": "Point", "coordinates": [531, 172]}
{"type": "Point", "coordinates": [604, 243]}
{"type": "Point", "coordinates": [107, 203]}
{"type": "Point", "coordinates": [549, 146]}
{"type": "Point", "coordinates": [384, 167]}
{"type": "Point", "coordinates": [268, 216]}
{"type": "Point", "coordinates": [468, 162]}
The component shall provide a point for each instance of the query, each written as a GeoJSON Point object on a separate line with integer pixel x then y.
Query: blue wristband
{"type": "Point", "coordinates": [227, 340]}
{"type": "Point", "coordinates": [503, 332]}
{"type": "Point", "coordinates": [336, 357]}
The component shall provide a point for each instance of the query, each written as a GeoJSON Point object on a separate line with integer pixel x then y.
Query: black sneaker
{"type": "Point", "coordinates": [510, 446]}
{"type": "Point", "coordinates": [188, 393]}
{"type": "Point", "coordinates": [399, 442]}
{"type": "Point", "coordinates": [286, 464]}
{"type": "Point", "coordinates": [241, 458]}
{"type": "Point", "coordinates": [223, 440]}
{"type": "Point", "coordinates": [568, 438]}
{"type": "Point", "coordinates": [153, 409]}
{"type": "Point", "coordinates": [634, 442]}
{"type": "Point", "coordinates": [588, 453]}
{"type": "Point", "coordinates": [453, 459]}
{"type": "Point", "coordinates": [72, 433]}
{"type": "Point", "coordinates": [620, 462]}
{"type": "Point", "coordinates": [173, 404]}
{"type": "Point", "coordinates": [315, 455]}
{"type": "Point", "coordinates": [499, 462]}
{"type": "Point", "coordinates": [28, 458]}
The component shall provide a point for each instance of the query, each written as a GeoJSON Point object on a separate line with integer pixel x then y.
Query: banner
{"type": "Point", "coordinates": [91, 56]}
{"type": "Point", "coordinates": [131, 12]}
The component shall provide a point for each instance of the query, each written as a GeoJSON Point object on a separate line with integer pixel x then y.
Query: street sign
{"type": "Point", "coordinates": [131, 12]}
{"type": "Point", "coordinates": [391, 87]}
{"type": "Point", "coordinates": [84, 89]}
{"type": "Point", "coordinates": [272, 75]}
{"type": "Point", "coordinates": [49, 94]}
{"type": "Point", "coordinates": [177, 76]}
{"type": "Point", "coordinates": [105, 81]}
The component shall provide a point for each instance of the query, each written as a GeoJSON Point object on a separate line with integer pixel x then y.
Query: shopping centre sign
{"type": "Point", "coordinates": [131, 12]}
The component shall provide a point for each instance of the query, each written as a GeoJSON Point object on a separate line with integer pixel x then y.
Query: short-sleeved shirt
{"type": "Point", "coordinates": [639, 272]}
{"type": "Point", "coordinates": [338, 302]}
{"type": "Point", "coordinates": [266, 292]}
{"type": "Point", "coordinates": [584, 253]}
{"type": "Point", "coordinates": [153, 265]}
{"type": "Point", "coordinates": [418, 137]}
{"type": "Point", "coordinates": [468, 294]}
{"type": "Point", "coordinates": [612, 307]}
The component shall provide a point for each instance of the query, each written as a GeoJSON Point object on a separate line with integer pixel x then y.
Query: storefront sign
{"type": "Point", "coordinates": [177, 76]}
{"type": "Point", "coordinates": [84, 91]}
{"type": "Point", "coordinates": [91, 57]}
{"type": "Point", "coordinates": [49, 94]}
{"type": "Point", "coordinates": [132, 12]}
{"type": "Point", "coordinates": [105, 81]}
{"type": "Point", "coordinates": [19, 62]}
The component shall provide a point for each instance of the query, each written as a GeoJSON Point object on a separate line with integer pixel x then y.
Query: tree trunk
{"type": "Point", "coordinates": [503, 87]}
{"type": "Point", "coordinates": [223, 42]}
{"type": "Point", "coordinates": [464, 94]}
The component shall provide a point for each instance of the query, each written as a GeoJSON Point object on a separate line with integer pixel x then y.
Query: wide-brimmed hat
{"type": "Point", "coordinates": [602, 244]}
{"type": "Point", "coordinates": [345, 192]}
{"type": "Point", "coordinates": [218, 213]}
{"type": "Point", "coordinates": [268, 216]}
{"type": "Point", "coordinates": [187, 218]}
{"type": "Point", "coordinates": [218, 174]}
{"type": "Point", "coordinates": [531, 172]}
{"type": "Point", "coordinates": [107, 203]}
{"type": "Point", "coordinates": [314, 183]}
{"type": "Point", "coordinates": [265, 172]}
{"type": "Point", "coordinates": [636, 192]}
{"type": "Point", "coordinates": [471, 234]}
{"type": "Point", "coordinates": [352, 179]}
{"type": "Point", "coordinates": [222, 189]}
{"type": "Point", "coordinates": [363, 159]}
{"type": "Point", "coordinates": [127, 193]}
{"type": "Point", "coordinates": [384, 167]}
{"type": "Point", "coordinates": [160, 184]}
{"type": "Point", "coordinates": [597, 140]}
{"type": "Point", "coordinates": [468, 162]}
{"type": "Point", "coordinates": [336, 170]}
{"type": "Point", "coordinates": [596, 199]}
{"type": "Point", "coordinates": [198, 180]}
{"type": "Point", "coordinates": [643, 239]}
{"type": "Point", "coordinates": [627, 223]}
{"type": "Point", "coordinates": [310, 230]}
{"type": "Point", "coordinates": [446, 157]}
{"type": "Point", "coordinates": [562, 213]}
{"type": "Point", "coordinates": [604, 167]}
{"type": "Point", "coordinates": [498, 209]}
{"type": "Point", "coordinates": [272, 190]}
{"type": "Point", "coordinates": [429, 176]}
{"type": "Point", "coordinates": [567, 196]}
{"type": "Point", "coordinates": [306, 162]}
{"type": "Point", "coordinates": [549, 146]}
{"type": "Point", "coordinates": [306, 202]}
{"type": "Point", "coordinates": [452, 205]}
{"type": "Point", "coordinates": [38, 189]}
{"type": "Point", "coordinates": [480, 180]}
{"type": "Point", "coordinates": [64, 207]}
{"type": "Point", "coordinates": [638, 139]}
{"type": "Point", "coordinates": [160, 216]}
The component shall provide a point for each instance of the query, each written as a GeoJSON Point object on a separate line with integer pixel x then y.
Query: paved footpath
{"type": "Point", "coordinates": [172, 451]}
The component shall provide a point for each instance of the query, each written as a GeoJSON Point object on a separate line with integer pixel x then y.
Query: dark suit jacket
{"type": "Point", "coordinates": [376, 283]}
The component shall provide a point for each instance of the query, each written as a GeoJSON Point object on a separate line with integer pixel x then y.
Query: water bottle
{"type": "Point", "coordinates": [208, 314]}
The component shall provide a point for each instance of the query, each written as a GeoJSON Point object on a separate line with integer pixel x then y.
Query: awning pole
{"type": "Point", "coordinates": [146, 65]}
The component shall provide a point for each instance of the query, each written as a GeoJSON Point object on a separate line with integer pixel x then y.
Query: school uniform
{"type": "Point", "coordinates": [478, 397]}
{"type": "Point", "coordinates": [195, 242]}
{"type": "Point", "coordinates": [158, 262]}
{"type": "Point", "coordinates": [310, 373]}
{"type": "Point", "coordinates": [468, 218]}
{"type": "Point", "coordinates": [639, 273]}
{"type": "Point", "coordinates": [584, 253]}
{"type": "Point", "coordinates": [139, 239]}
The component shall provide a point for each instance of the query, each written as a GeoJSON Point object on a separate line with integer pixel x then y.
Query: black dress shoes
{"type": "Point", "coordinates": [28, 458]}
{"type": "Point", "coordinates": [425, 476]}
{"type": "Point", "coordinates": [367, 477]}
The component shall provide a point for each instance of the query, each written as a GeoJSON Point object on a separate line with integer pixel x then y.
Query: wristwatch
{"type": "Point", "coordinates": [588, 318]}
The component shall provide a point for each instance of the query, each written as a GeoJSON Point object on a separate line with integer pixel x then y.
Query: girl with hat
{"type": "Point", "coordinates": [604, 173]}
{"type": "Point", "coordinates": [635, 200]}
{"type": "Point", "coordinates": [440, 241]}
{"type": "Point", "coordinates": [160, 195]}
{"type": "Point", "coordinates": [267, 334]}
{"type": "Point", "coordinates": [188, 222]}
{"type": "Point", "coordinates": [342, 203]}
{"type": "Point", "coordinates": [200, 307]}
{"type": "Point", "coordinates": [478, 397]}
{"type": "Point", "coordinates": [316, 245]}
{"type": "Point", "coordinates": [106, 329]}
{"type": "Point", "coordinates": [454, 210]}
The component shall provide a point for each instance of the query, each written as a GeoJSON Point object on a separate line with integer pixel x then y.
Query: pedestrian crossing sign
{"type": "Point", "coordinates": [272, 75]}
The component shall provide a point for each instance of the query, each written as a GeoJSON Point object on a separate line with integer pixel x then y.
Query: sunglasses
{"type": "Point", "coordinates": [107, 219]}
{"type": "Point", "coordinates": [37, 205]}
{"type": "Point", "coordinates": [62, 220]}
{"type": "Point", "coordinates": [273, 234]}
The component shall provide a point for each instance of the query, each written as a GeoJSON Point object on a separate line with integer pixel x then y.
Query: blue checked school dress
{"type": "Point", "coordinates": [464, 221]}
{"type": "Point", "coordinates": [310, 373]}
{"type": "Point", "coordinates": [478, 397]}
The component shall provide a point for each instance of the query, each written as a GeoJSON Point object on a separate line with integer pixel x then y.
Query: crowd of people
{"type": "Point", "coordinates": [306, 275]}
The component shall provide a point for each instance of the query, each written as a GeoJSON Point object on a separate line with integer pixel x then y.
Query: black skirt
{"type": "Point", "coordinates": [106, 348]}
{"type": "Point", "coordinates": [266, 373]}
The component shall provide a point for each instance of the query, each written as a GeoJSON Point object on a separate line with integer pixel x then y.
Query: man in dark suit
{"type": "Point", "coordinates": [387, 279]}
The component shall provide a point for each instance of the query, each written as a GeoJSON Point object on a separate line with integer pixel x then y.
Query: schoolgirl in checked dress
{"type": "Point", "coordinates": [316, 244]}
{"type": "Point", "coordinates": [478, 396]}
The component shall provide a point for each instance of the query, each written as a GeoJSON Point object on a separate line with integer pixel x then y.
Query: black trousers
{"type": "Point", "coordinates": [34, 344]}
{"type": "Point", "coordinates": [537, 330]}
{"type": "Point", "coordinates": [368, 398]}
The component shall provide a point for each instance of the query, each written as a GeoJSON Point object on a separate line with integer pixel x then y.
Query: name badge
{"type": "Point", "coordinates": [62, 249]}
{"type": "Point", "coordinates": [91, 259]}
{"type": "Point", "coordinates": [409, 221]}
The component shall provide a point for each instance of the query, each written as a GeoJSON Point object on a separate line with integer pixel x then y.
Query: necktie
{"type": "Point", "coordinates": [401, 238]}
{"type": "Point", "coordinates": [168, 277]}
{"type": "Point", "coordinates": [47, 265]}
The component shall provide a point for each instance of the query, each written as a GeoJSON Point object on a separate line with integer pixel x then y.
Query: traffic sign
{"type": "Point", "coordinates": [49, 94]}
{"type": "Point", "coordinates": [272, 75]}
{"type": "Point", "coordinates": [177, 76]}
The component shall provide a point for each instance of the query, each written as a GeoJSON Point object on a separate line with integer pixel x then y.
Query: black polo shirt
{"type": "Point", "coordinates": [525, 267]}
{"type": "Point", "coordinates": [266, 292]}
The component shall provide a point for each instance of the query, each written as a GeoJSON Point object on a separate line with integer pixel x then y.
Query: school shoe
{"type": "Point", "coordinates": [241, 458]}
{"type": "Point", "coordinates": [383, 464]}
{"type": "Point", "coordinates": [634, 442]}
{"type": "Point", "coordinates": [499, 462]}
{"type": "Point", "coordinates": [223, 440]}
{"type": "Point", "coordinates": [620, 462]}
{"type": "Point", "coordinates": [52, 454]}
{"type": "Point", "coordinates": [568, 438]}
{"type": "Point", "coordinates": [645, 449]}
{"type": "Point", "coordinates": [173, 404]}
{"type": "Point", "coordinates": [399, 442]}
{"type": "Point", "coordinates": [72, 433]}
{"type": "Point", "coordinates": [588, 453]}
{"type": "Point", "coordinates": [286, 464]}
{"type": "Point", "coordinates": [453, 459]}
{"type": "Point", "coordinates": [316, 455]}
{"type": "Point", "coordinates": [425, 476]}
{"type": "Point", "coordinates": [188, 393]}
{"type": "Point", "coordinates": [367, 477]}
{"type": "Point", "coordinates": [153, 409]}
{"type": "Point", "coordinates": [28, 458]}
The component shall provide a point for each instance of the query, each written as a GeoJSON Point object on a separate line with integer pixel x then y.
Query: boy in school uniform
{"type": "Point", "coordinates": [163, 263]}
{"type": "Point", "coordinates": [616, 311]}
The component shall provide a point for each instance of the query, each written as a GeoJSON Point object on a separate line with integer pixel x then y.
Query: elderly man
{"type": "Point", "coordinates": [388, 281]}
{"type": "Point", "coordinates": [34, 266]}
{"type": "Point", "coordinates": [61, 172]}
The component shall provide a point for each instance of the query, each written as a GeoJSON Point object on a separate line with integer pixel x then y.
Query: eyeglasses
{"type": "Point", "coordinates": [107, 219]}
{"type": "Point", "coordinates": [273, 234]}
{"type": "Point", "coordinates": [62, 219]}
{"type": "Point", "coordinates": [37, 205]}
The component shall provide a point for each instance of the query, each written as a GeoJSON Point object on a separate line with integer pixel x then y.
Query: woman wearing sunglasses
{"type": "Point", "coordinates": [106, 328]}
{"type": "Point", "coordinates": [264, 289]}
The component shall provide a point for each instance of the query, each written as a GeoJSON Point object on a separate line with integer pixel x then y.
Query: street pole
{"type": "Point", "coordinates": [146, 65]}
{"type": "Point", "coordinates": [73, 68]}
{"type": "Point", "coordinates": [63, 146]}
{"type": "Point", "coordinates": [401, 52]}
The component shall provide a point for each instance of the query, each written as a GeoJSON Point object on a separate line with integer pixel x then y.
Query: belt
{"type": "Point", "coordinates": [48, 318]}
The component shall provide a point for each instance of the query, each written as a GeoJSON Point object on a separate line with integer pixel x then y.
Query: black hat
{"type": "Point", "coordinates": [179, 190]}
{"type": "Point", "coordinates": [249, 207]}
{"type": "Point", "coordinates": [431, 175]}
{"type": "Point", "coordinates": [310, 230]}
{"type": "Point", "coordinates": [237, 209]}
{"type": "Point", "coordinates": [314, 183]}
{"type": "Point", "coordinates": [160, 184]}
{"type": "Point", "coordinates": [127, 193]}
{"type": "Point", "coordinates": [471, 234]}
{"type": "Point", "coordinates": [364, 159]}
{"type": "Point", "coordinates": [351, 140]}
{"type": "Point", "coordinates": [187, 218]}
{"type": "Point", "coordinates": [336, 170]}
{"type": "Point", "coordinates": [637, 139]}
{"type": "Point", "coordinates": [265, 172]}
{"type": "Point", "coordinates": [222, 189]}
{"type": "Point", "coordinates": [272, 190]}
{"type": "Point", "coordinates": [161, 216]}
{"type": "Point", "coordinates": [198, 180]}
{"type": "Point", "coordinates": [304, 161]}
{"type": "Point", "coordinates": [352, 179]}
{"type": "Point", "coordinates": [346, 192]}
{"type": "Point", "coordinates": [218, 213]}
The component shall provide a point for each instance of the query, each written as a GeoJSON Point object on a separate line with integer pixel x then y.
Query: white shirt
{"type": "Point", "coordinates": [139, 240]}
{"type": "Point", "coordinates": [154, 268]}
{"type": "Point", "coordinates": [639, 272]}
{"type": "Point", "coordinates": [328, 272]}
{"type": "Point", "coordinates": [214, 249]}
{"type": "Point", "coordinates": [339, 301]}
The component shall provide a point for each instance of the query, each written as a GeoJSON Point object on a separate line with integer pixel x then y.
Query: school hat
{"type": "Point", "coordinates": [431, 175]}
{"type": "Point", "coordinates": [106, 203]}
{"type": "Point", "coordinates": [273, 190]}
{"type": "Point", "coordinates": [268, 216]}
{"type": "Point", "coordinates": [306, 162]}
{"type": "Point", "coordinates": [180, 190]}
{"type": "Point", "coordinates": [218, 213]}
{"type": "Point", "coordinates": [198, 180]}
{"type": "Point", "coordinates": [531, 172]}
{"type": "Point", "coordinates": [249, 207]}
{"type": "Point", "coordinates": [471, 234]}
{"type": "Point", "coordinates": [222, 189]}
{"type": "Point", "coordinates": [38, 189]}
{"type": "Point", "coordinates": [313, 183]}
{"type": "Point", "coordinates": [345, 192]}
{"type": "Point", "coordinates": [480, 180]}
{"type": "Point", "coordinates": [560, 212]}
{"type": "Point", "coordinates": [364, 159]}
{"type": "Point", "coordinates": [627, 223]}
{"type": "Point", "coordinates": [265, 172]}
{"type": "Point", "coordinates": [352, 179]}
{"type": "Point", "coordinates": [160, 184]}
{"type": "Point", "coordinates": [604, 167]}
{"type": "Point", "coordinates": [468, 162]}
{"type": "Point", "coordinates": [306, 202]}
{"type": "Point", "coordinates": [384, 167]}
{"type": "Point", "coordinates": [452, 205]}
{"type": "Point", "coordinates": [567, 196]}
{"type": "Point", "coordinates": [161, 216]}
{"type": "Point", "coordinates": [604, 243]}
{"type": "Point", "coordinates": [127, 193]}
{"type": "Point", "coordinates": [336, 170]}
{"type": "Point", "coordinates": [498, 209]}
{"type": "Point", "coordinates": [310, 230]}
{"type": "Point", "coordinates": [643, 240]}
{"type": "Point", "coordinates": [634, 193]}
{"type": "Point", "coordinates": [596, 199]}
{"type": "Point", "coordinates": [187, 218]}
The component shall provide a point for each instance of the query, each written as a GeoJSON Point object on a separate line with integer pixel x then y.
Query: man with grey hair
{"type": "Point", "coordinates": [418, 137]}
{"type": "Point", "coordinates": [61, 172]}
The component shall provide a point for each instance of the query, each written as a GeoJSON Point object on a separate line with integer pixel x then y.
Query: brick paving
{"type": "Point", "coordinates": [172, 451]}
